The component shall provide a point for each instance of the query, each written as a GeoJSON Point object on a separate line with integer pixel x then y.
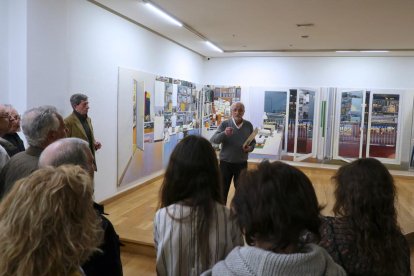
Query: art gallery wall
{"type": "Point", "coordinates": [75, 46]}
{"type": "Point", "coordinates": [256, 74]}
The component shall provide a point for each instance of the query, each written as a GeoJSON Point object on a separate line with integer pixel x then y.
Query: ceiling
{"type": "Point", "coordinates": [274, 27]}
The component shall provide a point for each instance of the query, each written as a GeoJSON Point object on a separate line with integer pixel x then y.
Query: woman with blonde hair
{"type": "Point", "coordinates": [47, 223]}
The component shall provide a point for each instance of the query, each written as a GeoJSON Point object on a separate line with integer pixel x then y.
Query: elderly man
{"type": "Point", "coordinates": [232, 134]}
{"type": "Point", "coordinates": [41, 127]}
{"type": "Point", "coordinates": [12, 135]}
{"type": "Point", "coordinates": [4, 128]}
{"type": "Point", "coordinates": [7, 145]}
{"type": "Point", "coordinates": [76, 151]}
{"type": "Point", "coordinates": [79, 124]}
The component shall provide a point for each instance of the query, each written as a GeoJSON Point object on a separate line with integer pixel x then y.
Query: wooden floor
{"type": "Point", "coordinates": [132, 215]}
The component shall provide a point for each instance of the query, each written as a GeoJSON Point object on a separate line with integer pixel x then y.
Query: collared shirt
{"type": "Point", "coordinates": [238, 126]}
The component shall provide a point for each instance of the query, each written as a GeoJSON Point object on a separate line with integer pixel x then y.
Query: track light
{"type": "Point", "coordinates": [374, 51]}
{"type": "Point", "coordinates": [163, 14]}
{"type": "Point", "coordinates": [211, 45]}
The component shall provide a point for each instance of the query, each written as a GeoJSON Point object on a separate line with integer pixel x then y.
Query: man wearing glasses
{"type": "Point", "coordinates": [12, 141]}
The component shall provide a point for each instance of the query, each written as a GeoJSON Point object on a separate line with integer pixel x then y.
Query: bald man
{"type": "Point", "coordinates": [75, 151]}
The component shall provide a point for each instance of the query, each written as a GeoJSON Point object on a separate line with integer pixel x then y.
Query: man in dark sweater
{"type": "Point", "coordinates": [232, 134]}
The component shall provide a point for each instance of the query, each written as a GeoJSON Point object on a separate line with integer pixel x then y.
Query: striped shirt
{"type": "Point", "coordinates": [176, 242]}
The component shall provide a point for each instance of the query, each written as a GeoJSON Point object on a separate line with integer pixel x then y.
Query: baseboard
{"type": "Point", "coordinates": [138, 248]}
{"type": "Point", "coordinates": [131, 189]}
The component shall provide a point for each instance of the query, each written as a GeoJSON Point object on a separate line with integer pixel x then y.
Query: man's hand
{"type": "Point", "coordinates": [246, 148]}
{"type": "Point", "coordinates": [228, 131]}
{"type": "Point", "coordinates": [98, 145]}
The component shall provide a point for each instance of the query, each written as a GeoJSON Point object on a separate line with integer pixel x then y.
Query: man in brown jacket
{"type": "Point", "coordinates": [79, 124]}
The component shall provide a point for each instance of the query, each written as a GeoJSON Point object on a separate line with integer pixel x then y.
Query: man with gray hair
{"type": "Point", "coordinates": [76, 151]}
{"type": "Point", "coordinates": [41, 126]}
{"type": "Point", "coordinates": [8, 146]}
{"type": "Point", "coordinates": [12, 137]}
{"type": "Point", "coordinates": [232, 134]}
{"type": "Point", "coordinates": [79, 124]}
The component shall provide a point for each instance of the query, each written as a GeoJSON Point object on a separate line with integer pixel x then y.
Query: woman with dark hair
{"type": "Point", "coordinates": [274, 206]}
{"type": "Point", "coordinates": [192, 230]}
{"type": "Point", "coordinates": [364, 237]}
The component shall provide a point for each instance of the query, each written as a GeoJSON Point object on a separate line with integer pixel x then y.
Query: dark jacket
{"type": "Point", "coordinates": [15, 139]}
{"type": "Point", "coordinates": [11, 148]}
{"type": "Point", "coordinates": [107, 262]}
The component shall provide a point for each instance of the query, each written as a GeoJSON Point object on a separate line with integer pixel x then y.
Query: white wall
{"type": "Point", "coordinates": [47, 59]}
{"type": "Point", "coordinates": [13, 52]}
{"type": "Point", "coordinates": [17, 63]}
{"type": "Point", "coordinates": [4, 52]}
{"type": "Point", "coordinates": [75, 46]}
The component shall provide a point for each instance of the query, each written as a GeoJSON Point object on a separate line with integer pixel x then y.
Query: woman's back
{"type": "Point", "coordinates": [176, 242]}
{"type": "Point", "coordinates": [365, 237]}
{"type": "Point", "coordinates": [338, 238]}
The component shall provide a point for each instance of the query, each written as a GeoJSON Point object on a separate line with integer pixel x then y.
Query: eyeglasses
{"type": "Point", "coordinates": [14, 117]}
{"type": "Point", "coordinates": [5, 115]}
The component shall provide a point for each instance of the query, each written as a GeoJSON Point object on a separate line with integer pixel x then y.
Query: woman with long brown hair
{"type": "Point", "coordinates": [364, 237]}
{"type": "Point", "coordinates": [192, 228]}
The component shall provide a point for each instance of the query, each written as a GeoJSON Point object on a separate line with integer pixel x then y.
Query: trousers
{"type": "Point", "coordinates": [230, 171]}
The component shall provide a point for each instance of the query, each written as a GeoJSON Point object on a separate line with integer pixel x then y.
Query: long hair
{"type": "Point", "coordinates": [192, 178]}
{"type": "Point", "coordinates": [275, 204]}
{"type": "Point", "coordinates": [47, 223]}
{"type": "Point", "coordinates": [365, 196]}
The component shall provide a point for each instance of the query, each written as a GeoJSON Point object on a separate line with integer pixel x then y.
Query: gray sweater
{"type": "Point", "coordinates": [232, 146]}
{"type": "Point", "coordinates": [249, 261]}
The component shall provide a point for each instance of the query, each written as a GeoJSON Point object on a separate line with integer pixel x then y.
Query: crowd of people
{"type": "Point", "coordinates": [276, 210]}
{"type": "Point", "coordinates": [50, 224]}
